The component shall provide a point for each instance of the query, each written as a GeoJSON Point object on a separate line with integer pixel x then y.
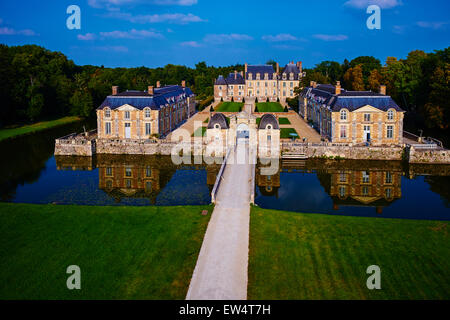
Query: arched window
{"type": "Point", "coordinates": [107, 113]}
{"type": "Point", "coordinates": [217, 126]}
{"type": "Point", "coordinates": [390, 115]}
{"type": "Point", "coordinates": [344, 115]}
{"type": "Point", "coordinates": [269, 127]}
{"type": "Point", "coordinates": [147, 113]}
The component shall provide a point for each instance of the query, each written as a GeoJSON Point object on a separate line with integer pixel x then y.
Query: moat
{"type": "Point", "coordinates": [390, 189]}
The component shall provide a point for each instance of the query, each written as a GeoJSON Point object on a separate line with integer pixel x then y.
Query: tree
{"type": "Point", "coordinates": [82, 104]}
{"type": "Point", "coordinates": [353, 79]}
{"type": "Point", "coordinates": [438, 108]}
{"type": "Point", "coordinates": [375, 80]}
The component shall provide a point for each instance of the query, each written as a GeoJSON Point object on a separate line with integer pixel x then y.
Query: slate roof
{"type": "Point", "coordinates": [231, 79]}
{"type": "Point", "coordinates": [351, 100]}
{"type": "Point", "coordinates": [220, 119]}
{"type": "Point", "coordinates": [266, 119]}
{"type": "Point", "coordinates": [142, 99]}
{"type": "Point", "coordinates": [291, 68]}
{"type": "Point", "coordinates": [261, 69]}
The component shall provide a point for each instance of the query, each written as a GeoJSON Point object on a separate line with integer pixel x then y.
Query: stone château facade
{"type": "Point", "coordinates": [140, 115]}
{"type": "Point", "coordinates": [352, 117]}
{"type": "Point", "coordinates": [260, 81]}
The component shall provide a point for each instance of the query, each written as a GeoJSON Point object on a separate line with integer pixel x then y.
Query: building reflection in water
{"type": "Point", "coordinates": [133, 176]}
{"type": "Point", "coordinates": [348, 183]}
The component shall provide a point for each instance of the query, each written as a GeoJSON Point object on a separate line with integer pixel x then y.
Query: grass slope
{"type": "Point", "coordinates": [14, 132]}
{"type": "Point", "coordinates": [269, 107]}
{"type": "Point", "coordinates": [229, 106]}
{"type": "Point", "coordinates": [310, 256]}
{"type": "Point", "coordinates": [285, 133]}
{"type": "Point", "coordinates": [123, 252]}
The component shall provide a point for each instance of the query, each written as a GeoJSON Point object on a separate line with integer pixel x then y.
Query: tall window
{"type": "Point", "coordinates": [342, 191]}
{"type": "Point", "coordinates": [148, 172]}
{"type": "Point", "coordinates": [107, 113]}
{"type": "Point", "coordinates": [148, 129]}
{"type": "Point", "coordinates": [344, 115]}
{"type": "Point", "coordinates": [128, 172]}
{"type": "Point", "coordinates": [388, 177]}
{"type": "Point", "coordinates": [390, 115]}
{"type": "Point", "coordinates": [367, 117]}
{"type": "Point", "coordinates": [390, 132]}
{"type": "Point", "coordinates": [388, 193]}
{"type": "Point", "coordinates": [365, 177]}
{"type": "Point", "coordinates": [343, 131]}
{"type": "Point", "coordinates": [109, 171]}
{"type": "Point", "coordinates": [147, 113]}
{"type": "Point", "coordinates": [107, 127]}
{"type": "Point", "coordinates": [127, 114]}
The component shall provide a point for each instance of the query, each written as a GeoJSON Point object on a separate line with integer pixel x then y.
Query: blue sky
{"type": "Point", "coordinates": [130, 33]}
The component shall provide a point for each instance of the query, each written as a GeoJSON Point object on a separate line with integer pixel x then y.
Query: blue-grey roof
{"type": "Point", "coordinates": [291, 68]}
{"type": "Point", "coordinates": [142, 99]}
{"type": "Point", "coordinates": [351, 100]}
{"type": "Point", "coordinates": [266, 119]}
{"type": "Point", "coordinates": [218, 118]}
{"type": "Point", "coordinates": [233, 78]}
{"type": "Point", "coordinates": [261, 69]}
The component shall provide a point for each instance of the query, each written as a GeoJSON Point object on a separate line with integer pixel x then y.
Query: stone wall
{"type": "Point", "coordinates": [75, 145]}
{"type": "Point", "coordinates": [435, 156]}
{"type": "Point", "coordinates": [343, 151]}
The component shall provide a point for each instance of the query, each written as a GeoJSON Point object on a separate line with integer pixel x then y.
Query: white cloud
{"type": "Point", "coordinates": [86, 37]}
{"type": "Point", "coordinates": [121, 49]}
{"type": "Point", "coordinates": [12, 32]}
{"type": "Point", "coordinates": [280, 37]}
{"type": "Point", "coordinates": [176, 18]}
{"type": "Point", "coordinates": [363, 4]}
{"type": "Point", "coordinates": [111, 3]}
{"type": "Point", "coordinates": [331, 37]}
{"type": "Point", "coordinates": [132, 34]}
{"type": "Point", "coordinates": [192, 44]}
{"type": "Point", "coordinates": [432, 24]}
{"type": "Point", "coordinates": [222, 38]}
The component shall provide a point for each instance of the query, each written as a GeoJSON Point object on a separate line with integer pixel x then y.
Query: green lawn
{"type": "Point", "coordinates": [269, 107]}
{"type": "Point", "coordinates": [200, 132]}
{"type": "Point", "coordinates": [285, 132]}
{"type": "Point", "coordinates": [123, 252]}
{"type": "Point", "coordinates": [229, 107]}
{"type": "Point", "coordinates": [312, 256]}
{"type": "Point", "coordinates": [10, 133]}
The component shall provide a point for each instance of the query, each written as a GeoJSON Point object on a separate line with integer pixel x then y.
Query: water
{"type": "Point", "coordinates": [29, 173]}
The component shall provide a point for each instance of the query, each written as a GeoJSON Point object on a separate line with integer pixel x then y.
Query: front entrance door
{"type": "Point", "coordinates": [367, 133]}
{"type": "Point", "coordinates": [242, 132]}
{"type": "Point", "coordinates": [127, 130]}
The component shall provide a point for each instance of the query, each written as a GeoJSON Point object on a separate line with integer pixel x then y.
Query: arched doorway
{"type": "Point", "coordinates": [242, 132]}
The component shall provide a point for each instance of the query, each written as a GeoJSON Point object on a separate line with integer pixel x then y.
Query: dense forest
{"type": "Point", "coordinates": [40, 84]}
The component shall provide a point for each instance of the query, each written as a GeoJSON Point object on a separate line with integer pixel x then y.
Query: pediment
{"type": "Point", "coordinates": [126, 107]}
{"type": "Point", "coordinates": [367, 108]}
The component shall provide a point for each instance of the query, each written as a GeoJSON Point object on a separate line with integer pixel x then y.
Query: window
{"type": "Point", "coordinates": [128, 172]}
{"type": "Point", "coordinates": [107, 113]}
{"type": "Point", "coordinates": [342, 177]}
{"type": "Point", "coordinates": [365, 190]}
{"type": "Point", "coordinates": [344, 115]}
{"type": "Point", "coordinates": [292, 84]}
{"type": "Point", "coordinates": [148, 186]}
{"type": "Point", "coordinates": [107, 127]}
{"type": "Point", "coordinates": [389, 193]}
{"type": "Point", "coordinates": [220, 87]}
{"type": "Point", "coordinates": [390, 115]}
{"type": "Point", "coordinates": [217, 126]}
{"type": "Point", "coordinates": [127, 114]}
{"type": "Point", "coordinates": [257, 84]}
{"type": "Point", "coordinates": [147, 113]}
{"type": "Point", "coordinates": [266, 84]}
{"type": "Point", "coordinates": [128, 183]}
{"type": "Point", "coordinates": [365, 177]}
{"type": "Point", "coordinates": [367, 117]}
{"type": "Point", "coordinates": [390, 132]}
{"type": "Point", "coordinates": [388, 177]}
{"type": "Point", "coordinates": [269, 127]}
{"type": "Point", "coordinates": [284, 84]}
{"type": "Point", "coordinates": [109, 171]}
{"type": "Point", "coordinates": [343, 131]}
{"type": "Point", "coordinates": [269, 138]}
{"type": "Point", "coordinates": [342, 191]}
{"type": "Point", "coordinates": [148, 172]}
{"type": "Point", "coordinates": [148, 129]}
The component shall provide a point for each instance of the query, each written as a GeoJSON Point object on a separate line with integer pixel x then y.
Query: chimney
{"type": "Point", "coordinates": [299, 66]}
{"type": "Point", "coordinates": [338, 87]}
{"type": "Point", "coordinates": [313, 84]}
{"type": "Point", "coordinates": [183, 83]}
{"type": "Point", "coordinates": [383, 89]}
{"type": "Point", "coordinates": [150, 90]}
{"type": "Point", "coordinates": [158, 84]}
{"type": "Point", "coordinates": [235, 74]}
{"type": "Point", "coordinates": [115, 90]}
{"type": "Point", "coordinates": [246, 67]}
{"type": "Point", "coordinates": [278, 68]}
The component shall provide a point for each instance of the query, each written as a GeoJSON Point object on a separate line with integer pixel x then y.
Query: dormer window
{"type": "Point", "coordinates": [390, 115]}
{"type": "Point", "coordinates": [291, 76]}
{"type": "Point", "coordinates": [258, 76]}
{"type": "Point", "coordinates": [250, 76]}
{"type": "Point", "coordinates": [284, 76]}
{"type": "Point", "coordinates": [266, 76]}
